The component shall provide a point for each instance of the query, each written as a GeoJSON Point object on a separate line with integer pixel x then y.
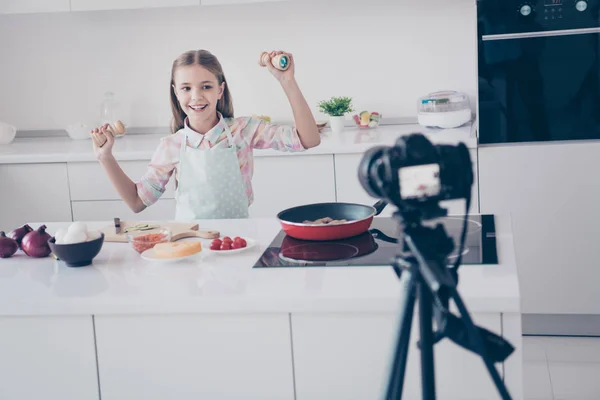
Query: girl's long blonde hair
{"type": "Point", "coordinates": [207, 60]}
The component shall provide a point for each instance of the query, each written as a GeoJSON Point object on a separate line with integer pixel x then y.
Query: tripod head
{"type": "Point", "coordinates": [429, 248]}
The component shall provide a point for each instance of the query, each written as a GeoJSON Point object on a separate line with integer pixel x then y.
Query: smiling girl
{"type": "Point", "coordinates": [210, 150]}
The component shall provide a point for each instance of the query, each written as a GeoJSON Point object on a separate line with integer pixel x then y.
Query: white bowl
{"type": "Point", "coordinates": [7, 133]}
{"type": "Point", "coordinates": [79, 131]}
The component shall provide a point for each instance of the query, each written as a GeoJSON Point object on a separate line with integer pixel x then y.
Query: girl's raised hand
{"type": "Point", "coordinates": [281, 76]}
{"type": "Point", "coordinates": [99, 135]}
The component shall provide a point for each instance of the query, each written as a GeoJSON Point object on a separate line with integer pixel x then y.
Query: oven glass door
{"type": "Point", "coordinates": [539, 82]}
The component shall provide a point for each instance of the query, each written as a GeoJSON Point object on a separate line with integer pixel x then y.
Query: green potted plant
{"type": "Point", "coordinates": [336, 108]}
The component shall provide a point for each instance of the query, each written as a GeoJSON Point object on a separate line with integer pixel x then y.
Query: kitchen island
{"type": "Point", "coordinates": [216, 328]}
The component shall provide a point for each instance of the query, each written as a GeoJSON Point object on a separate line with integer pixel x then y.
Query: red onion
{"type": "Point", "coordinates": [35, 243]}
{"type": "Point", "coordinates": [19, 233]}
{"type": "Point", "coordinates": [8, 246]}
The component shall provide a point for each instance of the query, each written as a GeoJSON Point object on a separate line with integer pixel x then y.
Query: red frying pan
{"type": "Point", "coordinates": [358, 220]}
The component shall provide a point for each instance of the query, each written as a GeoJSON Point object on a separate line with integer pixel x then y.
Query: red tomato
{"type": "Point", "coordinates": [216, 241]}
{"type": "Point", "coordinates": [215, 246]}
{"type": "Point", "coordinates": [226, 246]}
{"type": "Point", "coordinates": [237, 245]}
{"type": "Point", "coordinates": [227, 239]}
{"type": "Point", "coordinates": [243, 243]}
{"type": "Point", "coordinates": [237, 238]}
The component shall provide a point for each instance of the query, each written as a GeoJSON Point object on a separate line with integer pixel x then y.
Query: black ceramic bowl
{"type": "Point", "coordinates": [77, 254]}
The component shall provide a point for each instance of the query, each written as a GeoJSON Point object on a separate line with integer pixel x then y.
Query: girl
{"type": "Point", "coordinates": [210, 151]}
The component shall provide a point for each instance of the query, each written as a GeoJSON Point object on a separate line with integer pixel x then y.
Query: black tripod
{"type": "Point", "coordinates": [423, 272]}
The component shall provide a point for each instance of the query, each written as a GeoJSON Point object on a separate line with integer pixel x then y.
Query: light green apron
{"type": "Point", "coordinates": [210, 183]}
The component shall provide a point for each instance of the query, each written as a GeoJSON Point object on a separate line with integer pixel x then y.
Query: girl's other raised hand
{"type": "Point", "coordinates": [103, 134]}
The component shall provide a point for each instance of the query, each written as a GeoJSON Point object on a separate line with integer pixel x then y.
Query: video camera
{"type": "Point", "coordinates": [415, 175]}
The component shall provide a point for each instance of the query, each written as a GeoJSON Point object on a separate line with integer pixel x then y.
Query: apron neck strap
{"type": "Point", "coordinates": [229, 135]}
{"type": "Point", "coordinates": [225, 128]}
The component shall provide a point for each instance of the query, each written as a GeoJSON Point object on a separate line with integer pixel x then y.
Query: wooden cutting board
{"type": "Point", "coordinates": [179, 230]}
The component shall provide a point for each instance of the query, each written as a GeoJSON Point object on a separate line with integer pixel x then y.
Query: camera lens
{"type": "Point", "coordinates": [369, 171]}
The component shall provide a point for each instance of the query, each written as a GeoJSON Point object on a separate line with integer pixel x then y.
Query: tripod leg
{"type": "Point", "coordinates": [396, 378]}
{"type": "Point", "coordinates": [475, 335]}
{"type": "Point", "coordinates": [426, 342]}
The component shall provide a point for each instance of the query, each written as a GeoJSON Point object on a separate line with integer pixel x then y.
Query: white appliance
{"type": "Point", "coordinates": [445, 109]}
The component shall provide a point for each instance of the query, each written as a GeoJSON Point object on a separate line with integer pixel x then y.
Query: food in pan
{"type": "Point", "coordinates": [325, 221]}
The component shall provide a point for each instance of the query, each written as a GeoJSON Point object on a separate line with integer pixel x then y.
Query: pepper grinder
{"type": "Point", "coordinates": [280, 61]}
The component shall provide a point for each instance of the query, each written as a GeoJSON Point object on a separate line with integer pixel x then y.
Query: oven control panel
{"type": "Point", "coordinates": [512, 16]}
{"type": "Point", "coordinates": [551, 10]}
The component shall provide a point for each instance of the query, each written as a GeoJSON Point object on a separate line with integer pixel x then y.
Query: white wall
{"type": "Point", "coordinates": [385, 54]}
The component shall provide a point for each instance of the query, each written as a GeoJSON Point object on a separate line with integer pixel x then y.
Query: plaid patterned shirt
{"type": "Point", "coordinates": [248, 134]}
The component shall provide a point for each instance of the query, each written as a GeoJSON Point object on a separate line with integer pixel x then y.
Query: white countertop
{"type": "Point", "coordinates": [141, 147]}
{"type": "Point", "coordinates": [120, 282]}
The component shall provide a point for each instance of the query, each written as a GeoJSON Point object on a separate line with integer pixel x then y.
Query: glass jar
{"type": "Point", "coordinates": [109, 109]}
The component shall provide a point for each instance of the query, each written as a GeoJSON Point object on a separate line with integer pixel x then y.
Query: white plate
{"type": "Point", "coordinates": [150, 255]}
{"type": "Point", "coordinates": [250, 243]}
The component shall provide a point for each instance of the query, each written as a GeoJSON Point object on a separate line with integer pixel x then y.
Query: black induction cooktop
{"type": "Point", "coordinates": [378, 246]}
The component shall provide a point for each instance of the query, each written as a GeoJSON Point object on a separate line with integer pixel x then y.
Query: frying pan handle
{"type": "Point", "coordinates": [377, 234]}
{"type": "Point", "coordinates": [379, 206]}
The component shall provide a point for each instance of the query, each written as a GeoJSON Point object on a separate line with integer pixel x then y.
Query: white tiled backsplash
{"type": "Point", "coordinates": [384, 53]}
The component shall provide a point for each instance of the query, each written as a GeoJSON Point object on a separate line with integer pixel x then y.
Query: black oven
{"type": "Point", "coordinates": [539, 71]}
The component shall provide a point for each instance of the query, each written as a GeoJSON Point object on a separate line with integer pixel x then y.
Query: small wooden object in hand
{"type": "Point", "coordinates": [117, 129]}
{"type": "Point", "coordinates": [280, 61]}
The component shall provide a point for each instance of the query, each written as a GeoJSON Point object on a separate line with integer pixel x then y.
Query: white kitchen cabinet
{"type": "Point", "coordinates": [90, 5]}
{"type": "Point", "coordinates": [33, 192]}
{"type": "Point", "coordinates": [89, 181]}
{"type": "Point", "coordinates": [107, 210]}
{"type": "Point", "coordinates": [219, 2]}
{"type": "Point", "coordinates": [47, 358]}
{"type": "Point", "coordinates": [195, 357]}
{"type": "Point", "coordinates": [33, 6]}
{"type": "Point", "coordinates": [288, 181]}
{"type": "Point", "coordinates": [346, 356]}
{"type": "Point", "coordinates": [551, 193]}
{"type": "Point", "coordinates": [350, 190]}
{"type": "Point", "coordinates": [279, 182]}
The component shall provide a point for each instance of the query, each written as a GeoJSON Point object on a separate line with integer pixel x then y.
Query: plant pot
{"type": "Point", "coordinates": [337, 123]}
